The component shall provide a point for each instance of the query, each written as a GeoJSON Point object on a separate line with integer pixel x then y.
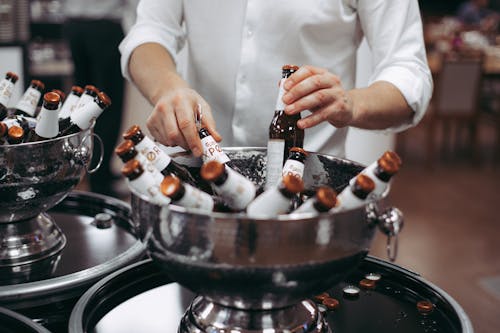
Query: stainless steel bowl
{"type": "Point", "coordinates": [34, 177]}
{"type": "Point", "coordinates": [239, 262]}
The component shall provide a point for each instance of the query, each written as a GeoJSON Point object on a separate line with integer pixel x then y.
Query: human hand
{"type": "Point", "coordinates": [321, 92]}
{"type": "Point", "coordinates": [173, 120]}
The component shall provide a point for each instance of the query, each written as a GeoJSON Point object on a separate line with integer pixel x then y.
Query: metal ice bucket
{"type": "Point", "coordinates": [34, 177]}
{"type": "Point", "coordinates": [240, 262]}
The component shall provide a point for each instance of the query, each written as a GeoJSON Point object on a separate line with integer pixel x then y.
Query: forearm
{"type": "Point", "coordinates": [379, 106]}
{"type": "Point", "coordinates": [153, 71]}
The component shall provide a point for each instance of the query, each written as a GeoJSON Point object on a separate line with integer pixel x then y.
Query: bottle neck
{"type": "Point", "coordinates": [47, 125]}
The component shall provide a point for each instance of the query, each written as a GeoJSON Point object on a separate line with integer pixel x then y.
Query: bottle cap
{"type": "Point", "coordinates": [132, 169]}
{"type": "Point", "coordinates": [367, 284]}
{"type": "Point", "coordinates": [365, 183]}
{"type": "Point", "coordinates": [12, 77]}
{"type": "Point", "coordinates": [132, 132]}
{"type": "Point", "coordinates": [16, 132]}
{"type": "Point", "coordinates": [77, 90]}
{"type": "Point", "coordinates": [388, 166]}
{"type": "Point", "coordinates": [327, 197]}
{"type": "Point", "coordinates": [331, 303]}
{"type": "Point", "coordinates": [170, 185]}
{"type": "Point", "coordinates": [124, 149]}
{"type": "Point", "coordinates": [103, 100]}
{"type": "Point", "coordinates": [212, 170]}
{"type": "Point", "coordinates": [293, 184]}
{"type": "Point", "coordinates": [298, 150]}
{"type": "Point", "coordinates": [37, 84]}
{"type": "Point", "coordinates": [289, 67]}
{"type": "Point", "coordinates": [425, 307]}
{"type": "Point", "coordinates": [319, 298]}
{"type": "Point", "coordinates": [91, 90]}
{"type": "Point", "coordinates": [60, 93]}
{"type": "Point", "coordinates": [393, 156]}
{"type": "Point", "coordinates": [51, 100]}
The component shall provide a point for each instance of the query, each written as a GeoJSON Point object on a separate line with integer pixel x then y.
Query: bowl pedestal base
{"type": "Point", "coordinates": [205, 316]}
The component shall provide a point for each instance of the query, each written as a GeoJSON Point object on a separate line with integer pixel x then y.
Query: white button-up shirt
{"type": "Point", "coordinates": [236, 49]}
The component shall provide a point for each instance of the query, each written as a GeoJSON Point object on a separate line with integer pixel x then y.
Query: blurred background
{"type": "Point", "coordinates": [449, 185]}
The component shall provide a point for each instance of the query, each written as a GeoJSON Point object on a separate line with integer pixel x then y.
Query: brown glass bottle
{"type": "Point", "coordinates": [83, 118]}
{"type": "Point", "coordinates": [6, 89]}
{"type": "Point", "coordinates": [356, 194]}
{"type": "Point", "coordinates": [277, 199]}
{"type": "Point", "coordinates": [324, 199]}
{"type": "Point", "coordinates": [185, 195]}
{"type": "Point", "coordinates": [4, 129]}
{"type": "Point", "coordinates": [69, 105]}
{"type": "Point", "coordinates": [382, 171]}
{"type": "Point", "coordinates": [89, 94]}
{"type": "Point", "coordinates": [15, 135]}
{"type": "Point", "coordinates": [234, 189]}
{"type": "Point", "coordinates": [161, 160]}
{"type": "Point", "coordinates": [29, 101]}
{"type": "Point", "coordinates": [126, 151]}
{"type": "Point", "coordinates": [143, 182]}
{"type": "Point", "coordinates": [283, 133]}
{"type": "Point", "coordinates": [47, 126]}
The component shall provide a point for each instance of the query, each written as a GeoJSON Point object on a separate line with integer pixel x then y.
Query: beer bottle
{"type": "Point", "coordinates": [294, 164]}
{"type": "Point", "coordinates": [324, 199]}
{"type": "Point", "coordinates": [89, 94]}
{"type": "Point", "coordinates": [185, 195]}
{"type": "Point", "coordinates": [4, 129]}
{"type": "Point", "coordinates": [382, 171]}
{"type": "Point", "coordinates": [283, 133]}
{"type": "Point", "coordinates": [28, 103]}
{"type": "Point", "coordinates": [143, 182]}
{"type": "Point", "coordinates": [212, 151]}
{"type": "Point", "coordinates": [47, 125]}
{"type": "Point", "coordinates": [83, 118]}
{"type": "Point", "coordinates": [70, 103]}
{"type": "Point", "coordinates": [15, 135]}
{"type": "Point", "coordinates": [236, 190]}
{"type": "Point", "coordinates": [277, 199]}
{"type": "Point", "coordinates": [126, 151]}
{"type": "Point", "coordinates": [6, 89]}
{"type": "Point", "coordinates": [156, 156]}
{"type": "Point", "coordinates": [356, 194]}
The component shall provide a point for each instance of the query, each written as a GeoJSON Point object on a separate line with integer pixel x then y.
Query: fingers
{"type": "Point", "coordinates": [339, 114]}
{"type": "Point", "coordinates": [311, 88]}
{"type": "Point", "coordinates": [173, 120]}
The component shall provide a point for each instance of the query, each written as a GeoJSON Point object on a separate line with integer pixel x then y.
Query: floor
{"type": "Point", "coordinates": [451, 234]}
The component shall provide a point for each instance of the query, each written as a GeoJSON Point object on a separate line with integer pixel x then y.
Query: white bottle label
{"type": "Point", "coordinates": [279, 101]}
{"type": "Point", "coordinates": [150, 168]}
{"type": "Point", "coordinates": [153, 153]}
{"type": "Point", "coordinates": [68, 106]}
{"type": "Point", "coordinates": [146, 185]}
{"type": "Point", "coordinates": [85, 117]}
{"type": "Point", "coordinates": [237, 191]}
{"type": "Point", "coordinates": [269, 204]}
{"type": "Point", "coordinates": [84, 100]}
{"type": "Point", "coordinates": [380, 186]}
{"type": "Point", "coordinates": [347, 200]}
{"type": "Point", "coordinates": [274, 164]}
{"type": "Point", "coordinates": [47, 125]}
{"type": "Point", "coordinates": [29, 101]}
{"type": "Point", "coordinates": [293, 168]}
{"type": "Point", "coordinates": [212, 151]}
{"type": "Point", "coordinates": [195, 198]}
{"type": "Point", "coordinates": [306, 207]}
{"type": "Point", "coordinates": [6, 89]}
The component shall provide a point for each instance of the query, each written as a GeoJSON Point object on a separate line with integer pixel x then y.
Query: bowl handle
{"type": "Point", "coordinates": [101, 154]}
{"type": "Point", "coordinates": [390, 222]}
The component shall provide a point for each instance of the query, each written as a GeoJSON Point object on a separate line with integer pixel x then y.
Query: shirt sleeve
{"type": "Point", "coordinates": [157, 22]}
{"type": "Point", "coordinates": [393, 29]}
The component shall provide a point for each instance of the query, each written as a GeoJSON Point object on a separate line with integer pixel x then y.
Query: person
{"type": "Point", "coordinates": [226, 57]}
{"type": "Point", "coordinates": [94, 30]}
